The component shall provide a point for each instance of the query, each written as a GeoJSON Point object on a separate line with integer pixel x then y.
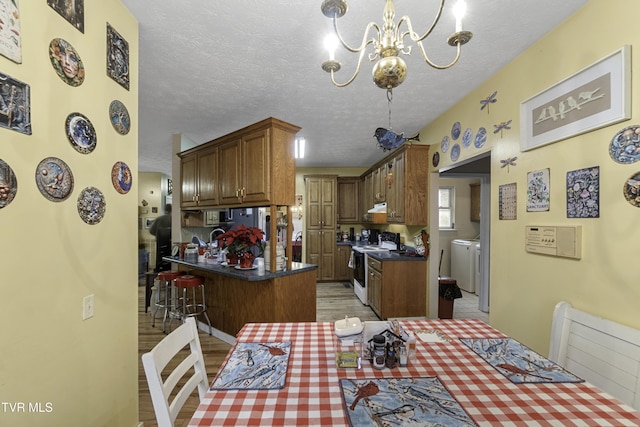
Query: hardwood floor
{"type": "Point", "coordinates": [333, 301]}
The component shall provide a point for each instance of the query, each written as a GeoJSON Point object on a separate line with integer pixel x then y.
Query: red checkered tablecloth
{"type": "Point", "coordinates": [312, 397]}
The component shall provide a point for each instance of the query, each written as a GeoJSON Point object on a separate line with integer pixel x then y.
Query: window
{"type": "Point", "coordinates": [446, 210]}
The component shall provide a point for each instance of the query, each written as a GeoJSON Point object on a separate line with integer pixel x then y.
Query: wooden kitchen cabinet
{"type": "Point", "coordinates": [199, 179]}
{"type": "Point", "coordinates": [366, 201]}
{"type": "Point", "coordinates": [396, 192]}
{"type": "Point", "coordinates": [474, 214]}
{"type": "Point", "coordinates": [379, 178]}
{"type": "Point", "coordinates": [254, 167]}
{"type": "Point", "coordinates": [321, 192]}
{"type": "Point", "coordinates": [348, 196]}
{"type": "Point", "coordinates": [406, 190]}
{"type": "Point", "coordinates": [374, 286]}
{"type": "Point", "coordinates": [397, 288]}
{"type": "Point", "coordinates": [341, 260]}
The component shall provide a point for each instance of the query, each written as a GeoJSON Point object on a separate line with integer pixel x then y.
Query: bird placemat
{"type": "Point", "coordinates": [517, 362]}
{"type": "Point", "coordinates": [401, 401]}
{"type": "Point", "coordinates": [255, 366]}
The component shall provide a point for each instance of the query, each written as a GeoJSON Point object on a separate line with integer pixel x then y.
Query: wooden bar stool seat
{"type": "Point", "coordinates": [189, 304]}
{"type": "Point", "coordinates": [162, 295]}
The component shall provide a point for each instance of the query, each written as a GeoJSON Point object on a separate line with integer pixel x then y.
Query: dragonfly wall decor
{"type": "Point", "coordinates": [491, 99]}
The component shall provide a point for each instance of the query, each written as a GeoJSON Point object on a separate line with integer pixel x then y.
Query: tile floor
{"type": "Point", "coordinates": [467, 307]}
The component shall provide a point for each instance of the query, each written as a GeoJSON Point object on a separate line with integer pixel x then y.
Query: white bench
{"type": "Point", "coordinates": [602, 352]}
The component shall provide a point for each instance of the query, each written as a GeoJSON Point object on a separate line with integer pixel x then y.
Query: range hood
{"type": "Point", "coordinates": [378, 208]}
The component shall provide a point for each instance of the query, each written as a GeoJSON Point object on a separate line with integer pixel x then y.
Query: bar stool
{"type": "Point", "coordinates": [162, 295]}
{"type": "Point", "coordinates": [183, 306]}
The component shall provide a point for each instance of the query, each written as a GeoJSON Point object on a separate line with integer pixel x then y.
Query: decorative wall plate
{"type": "Point", "coordinates": [625, 146]}
{"type": "Point", "coordinates": [121, 177]}
{"type": "Point", "coordinates": [81, 133]}
{"type": "Point", "coordinates": [481, 138]}
{"type": "Point", "coordinates": [455, 131]}
{"type": "Point", "coordinates": [54, 179]}
{"type": "Point", "coordinates": [91, 205]}
{"type": "Point", "coordinates": [444, 145]}
{"type": "Point", "coordinates": [117, 57]}
{"type": "Point", "coordinates": [436, 159]}
{"type": "Point", "coordinates": [66, 62]}
{"type": "Point", "coordinates": [455, 152]}
{"type": "Point", "coordinates": [467, 136]}
{"type": "Point", "coordinates": [8, 184]}
{"type": "Point", "coordinates": [631, 190]}
{"type": "Point", "coordinates": [119, 116]}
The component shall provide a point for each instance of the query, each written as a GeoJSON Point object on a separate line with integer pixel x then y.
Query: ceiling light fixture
{"type": "Point", "coordinates": [390, 70]}
{"type": "Point", "coordinates": [298, 150]}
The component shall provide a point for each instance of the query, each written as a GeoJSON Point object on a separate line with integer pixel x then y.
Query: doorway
{"type": "Point", "coordinates": [476, 170]}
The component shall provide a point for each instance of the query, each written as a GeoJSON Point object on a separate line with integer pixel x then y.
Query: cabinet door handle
{"type": "Point", "coordinates": [242, 192]}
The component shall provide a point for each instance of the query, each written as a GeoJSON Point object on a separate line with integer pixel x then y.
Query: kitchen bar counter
{"type": "Point", "coordinates": [249, 275]}
{"type": "Point", "coordinates": [236, 297]}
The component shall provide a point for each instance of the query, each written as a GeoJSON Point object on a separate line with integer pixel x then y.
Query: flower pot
{"type": "Point", "coordinates": [246, 260]}
{"type": "Point", "coordinates": [232, 259]}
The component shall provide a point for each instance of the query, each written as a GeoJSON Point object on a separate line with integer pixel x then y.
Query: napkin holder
{"type": "Point", "coordinates": [348, 342]}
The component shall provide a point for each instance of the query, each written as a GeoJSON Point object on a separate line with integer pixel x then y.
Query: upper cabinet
{"type": "Point", "coordinates": [401, 180]}
{"type": "Point", "coordinates": [348, 197]}
{"type": "Point", "coordinates": [475, 202]}
{"type": "Point", "coordinates": [254, 166]}
{"type": "Point", "coordinates": [198, 189]}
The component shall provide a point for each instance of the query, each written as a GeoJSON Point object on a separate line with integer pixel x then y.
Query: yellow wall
{"type": "Point", "coordinates": [526, 287]}
{"type": "Point", "coordinates": [86, 371]}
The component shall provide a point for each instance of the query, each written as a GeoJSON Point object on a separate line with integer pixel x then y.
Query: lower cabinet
{"type": "Point", "coordinates": [320, 251]}
{"type": "Point", "coordinates": [397, 288]}
{"type": "Point", "coordinates": [342, 271]}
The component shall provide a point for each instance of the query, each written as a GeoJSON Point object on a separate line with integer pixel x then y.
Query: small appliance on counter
{"type": "Point", "coordinates": [191, 253]}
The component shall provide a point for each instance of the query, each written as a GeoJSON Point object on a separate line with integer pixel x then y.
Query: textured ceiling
{"type": "Point", "coordinates": [208, 68]}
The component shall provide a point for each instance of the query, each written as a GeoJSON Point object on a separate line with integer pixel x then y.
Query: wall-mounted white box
{"type": "Point", "coordinates": [562, 241]}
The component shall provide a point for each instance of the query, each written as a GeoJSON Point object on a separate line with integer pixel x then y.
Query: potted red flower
{"type": "Point", "coordinates": [239, 243]}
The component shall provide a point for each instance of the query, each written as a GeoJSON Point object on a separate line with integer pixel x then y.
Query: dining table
{"type": "Point", "coordinates": [451, 375]}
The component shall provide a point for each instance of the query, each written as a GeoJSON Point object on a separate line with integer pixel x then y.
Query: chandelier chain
{"type": "Point", "coordinates": [389, 99]}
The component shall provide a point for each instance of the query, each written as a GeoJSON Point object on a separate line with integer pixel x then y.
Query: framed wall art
{"type": "Point", "coordinates": [594, 97]}
{"type": "Point", "coordinates": [583, 193]}
{"type": "Point", "coordinates": [71, 10]}
{"type": "Point", "coordinates": [10, 35]}
{"type": "Point", "coordinates": [117, 57]}
{"type": "Point", "coordinates": [15, 104]}
{"type": "Point", "coordinates": [538, 191]}
{"type": "Point", "coordinates": [508, 201]}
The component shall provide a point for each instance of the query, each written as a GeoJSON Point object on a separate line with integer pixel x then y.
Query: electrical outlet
{"type": "Point", "coordinates": [87, 307]}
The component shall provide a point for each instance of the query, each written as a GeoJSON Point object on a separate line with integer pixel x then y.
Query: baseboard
{"type": "Point", "coordinates": [217, 333]}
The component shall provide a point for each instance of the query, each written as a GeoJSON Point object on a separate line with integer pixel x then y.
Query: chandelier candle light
{"type": "Point", "coordinates": [390, 70]}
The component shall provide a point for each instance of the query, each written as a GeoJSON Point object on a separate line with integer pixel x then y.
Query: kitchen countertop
{"type": "Point", "coordinates": [249, 275]}
{"type": "Point", "coordinates": [386, 255]}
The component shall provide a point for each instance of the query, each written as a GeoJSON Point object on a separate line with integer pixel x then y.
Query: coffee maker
{"type": "Point", "coordinates": [373, 236]}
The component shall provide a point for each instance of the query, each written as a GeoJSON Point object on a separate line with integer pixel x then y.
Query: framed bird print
{"type": "Point", "coordinates": [538, 191]}
{"type": "Point", "coordinates": [10, 35]}
{"type": "Point", "coordinates": [594, 97]}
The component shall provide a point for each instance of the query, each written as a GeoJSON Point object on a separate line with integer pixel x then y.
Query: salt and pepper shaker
{"type": "Point", "coordinates": [402, 355]}
{"type": "Point", "coordinates": [390, 360]}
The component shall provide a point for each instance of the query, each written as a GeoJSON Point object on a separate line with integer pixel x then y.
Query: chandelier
{"type": "Point", "coordinates": [389, 42]}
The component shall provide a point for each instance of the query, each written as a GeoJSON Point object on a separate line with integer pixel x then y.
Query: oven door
{"type": "Point", "coordinates": [358, 267]}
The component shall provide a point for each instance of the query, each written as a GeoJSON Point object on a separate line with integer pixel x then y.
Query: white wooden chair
{"type": "Point", "coordinates": [605, 353]}
{"type": "Point", "coordinates": [191, 368]}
